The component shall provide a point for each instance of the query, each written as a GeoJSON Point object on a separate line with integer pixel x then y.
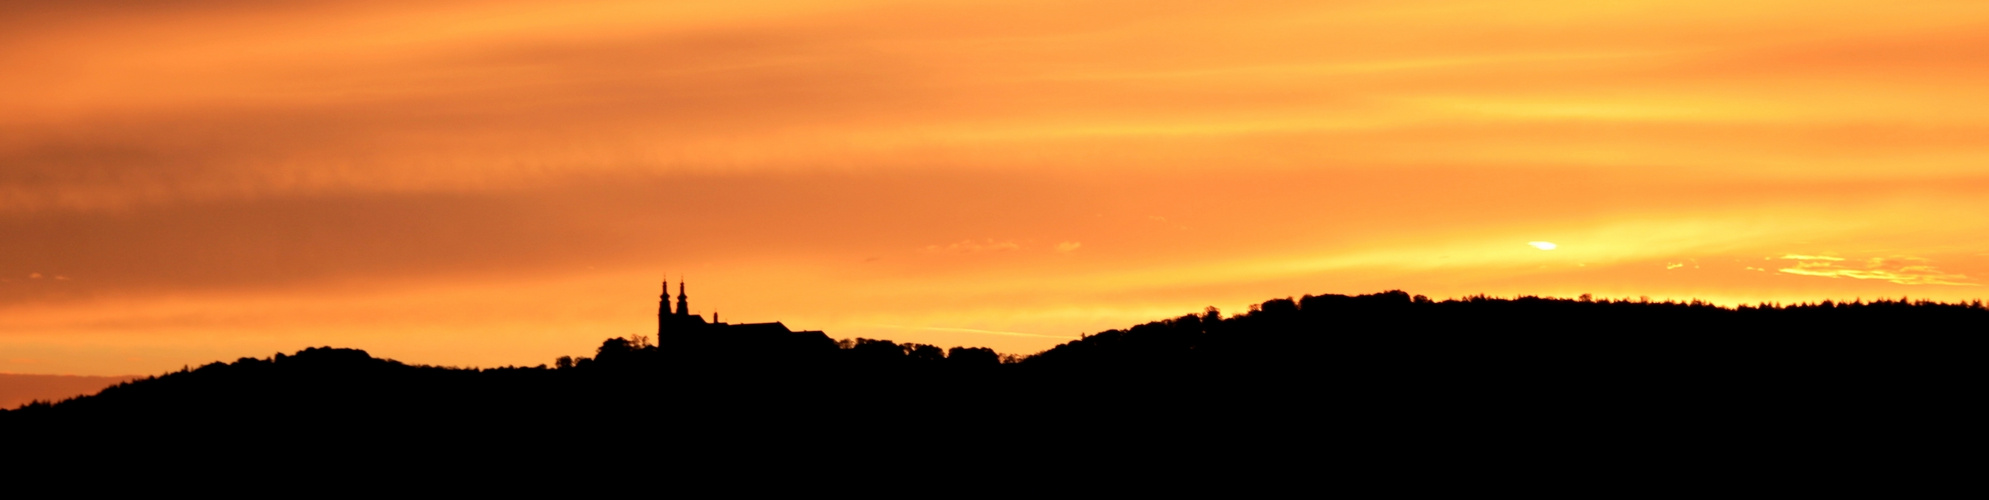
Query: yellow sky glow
{"type": "Point", "coordinates": [503, 182]}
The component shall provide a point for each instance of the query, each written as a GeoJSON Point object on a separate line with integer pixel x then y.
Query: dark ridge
{"type": "Point", "coordinates": [1381, 366]}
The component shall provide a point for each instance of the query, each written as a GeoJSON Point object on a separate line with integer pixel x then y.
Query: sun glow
{"type": "Point", "coordinates": [203, 180]}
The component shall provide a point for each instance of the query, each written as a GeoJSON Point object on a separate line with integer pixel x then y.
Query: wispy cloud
{"type": "Point", "coordinates": [475, 149]}
{"type": "Point", "coordinates": [1902, 270]}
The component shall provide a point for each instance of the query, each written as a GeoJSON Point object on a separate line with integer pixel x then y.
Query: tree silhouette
{"type": "Point", "coordinates": [1317, 369]}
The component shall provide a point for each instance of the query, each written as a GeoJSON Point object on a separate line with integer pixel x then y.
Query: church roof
{"type": "Point", "coordinates": [774, 327]}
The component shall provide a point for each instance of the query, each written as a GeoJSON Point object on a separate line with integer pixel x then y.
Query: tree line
{"type": "Point", "coordinates": [1382, 360]}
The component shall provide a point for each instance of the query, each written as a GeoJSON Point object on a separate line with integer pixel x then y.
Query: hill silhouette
{"type": "Point", "coordinates": [1389, 366]}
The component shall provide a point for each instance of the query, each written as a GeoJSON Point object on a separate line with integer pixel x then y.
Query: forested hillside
{"type": "Point", "coordinates": [1382, 357]}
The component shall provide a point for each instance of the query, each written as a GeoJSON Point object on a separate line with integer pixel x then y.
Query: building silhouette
{"type": "Point", "coordinates": [681, 323]}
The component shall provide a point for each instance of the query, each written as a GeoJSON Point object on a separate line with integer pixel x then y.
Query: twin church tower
{"type": "Point", "coordinates": [679, 323]}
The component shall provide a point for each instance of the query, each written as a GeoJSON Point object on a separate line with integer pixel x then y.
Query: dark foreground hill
{"type": "Point", "coordinates": [1387, 370]}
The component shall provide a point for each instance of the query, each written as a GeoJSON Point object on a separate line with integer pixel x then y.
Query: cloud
{"type": "Point", "coordinates": [1900, 270]}
{"type": "Point", "coordinates": [192, 104]}
{"type": "Point", "coordinates": [1068, 246]}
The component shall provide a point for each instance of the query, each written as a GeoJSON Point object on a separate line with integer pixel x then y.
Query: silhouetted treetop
{"type": "Point", "coordinates": [1341, 354]}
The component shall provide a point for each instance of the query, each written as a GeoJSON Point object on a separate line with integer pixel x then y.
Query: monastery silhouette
{"type": "Point", "coordinates": [681, 323]}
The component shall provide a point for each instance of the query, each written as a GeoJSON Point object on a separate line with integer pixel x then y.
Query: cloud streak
{"type": "Point", "coordinates": [1900, 270]}
{"type": "Point", "coordinates": [335, 154]}
{"type": "Point", "coordinates": [206, 101]}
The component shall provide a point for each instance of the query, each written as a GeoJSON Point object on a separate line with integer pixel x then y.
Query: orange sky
{"type": "Point", "coordinates": [490, 183]}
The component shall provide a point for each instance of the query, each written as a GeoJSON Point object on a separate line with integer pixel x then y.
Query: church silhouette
{"type": "Point", "coordinates": [680, 323]}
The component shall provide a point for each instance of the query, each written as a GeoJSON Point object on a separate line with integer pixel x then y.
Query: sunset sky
{"type": "Point", "coordinates": [484, 183]}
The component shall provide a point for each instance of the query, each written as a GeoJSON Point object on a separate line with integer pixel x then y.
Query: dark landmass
{"type": "Point", "coordinates": [1382, 368]}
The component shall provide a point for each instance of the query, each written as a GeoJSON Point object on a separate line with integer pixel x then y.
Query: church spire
{"type": "Point", "coordinates": [683, 301]}
{"type": "Point", "coordinates": [663, 311]}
